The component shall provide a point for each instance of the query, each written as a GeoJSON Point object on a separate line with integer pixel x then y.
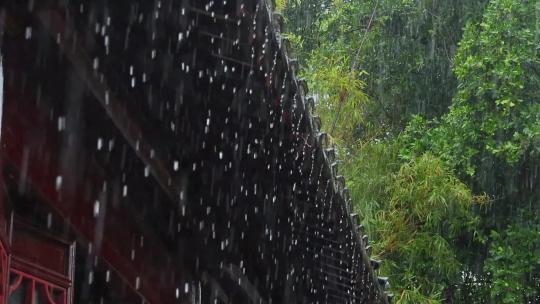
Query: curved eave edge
{"type": "Point", "coordinates": [338, 189]}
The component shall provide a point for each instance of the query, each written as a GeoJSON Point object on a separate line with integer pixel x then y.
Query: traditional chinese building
{"type": "Point", "coordinates": [163, 152]}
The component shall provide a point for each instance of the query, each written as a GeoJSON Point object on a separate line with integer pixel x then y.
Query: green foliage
{"type": "Point", "coordinates": [497, 66]}
{"type": "Point", "coordinates": [414, 212]}
{"type": "Point", "coordinates": [368, 173]}
{"type": "Point", "coordinates": [339, 95]}
{"type": "Point", "coordinates": [337, 87]}
{"type": "Point", "coordinates": [328, 25]}
{"type": "Point", "coordinates": [408, 52]}
{"type": "Point", "coordinates": [496, 108]}
{"type": "Point", "coordinates": [491, 134]}
{"type": "Point", "coordinates": [514, 265]}
{"type": "Point", "coordinates": [406, 48]}
{"type": "Point", "coordinates": [490, 137]}
{"type": "Point", "coordinates": [462, 77]}
{"type": "Point", "coordinates": [303, 19]}
{"type": "Point", "coordinates": [280, 5]}
{"type": "Point", "coordinates": [429, 209]}
{"type": "Point", "coordinates": [432, 195]}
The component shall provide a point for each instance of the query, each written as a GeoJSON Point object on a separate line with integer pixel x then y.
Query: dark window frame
{"type": "Point", "coordinates": [52, 286]}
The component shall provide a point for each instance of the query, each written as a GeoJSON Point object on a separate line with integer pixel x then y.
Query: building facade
{"type": "Point", "coordinates": [165, 152]}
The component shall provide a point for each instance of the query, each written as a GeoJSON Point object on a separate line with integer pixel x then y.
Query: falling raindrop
{"type": "Point", "coordinates": [96, 208]}
{"type": "Point", "coordinates": [28, 32]}
{"type": "Point", "coordinates": [146, 171]}
{"type": "Point", "coordinates": [58, 183]}
{"type": "Point", "coordinates": [61, 123]}
{"type": "Point", "coordinates": [137, 283]}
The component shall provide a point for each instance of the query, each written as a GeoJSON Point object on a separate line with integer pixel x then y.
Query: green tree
{"type": "Point", "coordinates": [339, 94]}
{"type": "Point", "coordinates": [491, 138]}
{"type": "Point", "coordinates": [491, 135]}
{"type": "Point", "coordinates": [403, 50]}
{"type": "Point", "coordinates": [336, 86]}
{"type": "Point", "coordinates": [514, 265]}
{"type": "Point", "coordinates": [416, 212]}
{"type": "Point", "coordinates": [408, 53]}
{"type": "Point", "coordinates": [463, 77]}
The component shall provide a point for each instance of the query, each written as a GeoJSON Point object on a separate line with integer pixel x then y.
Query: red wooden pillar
{"type": "Point", "coordinates": [4, 213]}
